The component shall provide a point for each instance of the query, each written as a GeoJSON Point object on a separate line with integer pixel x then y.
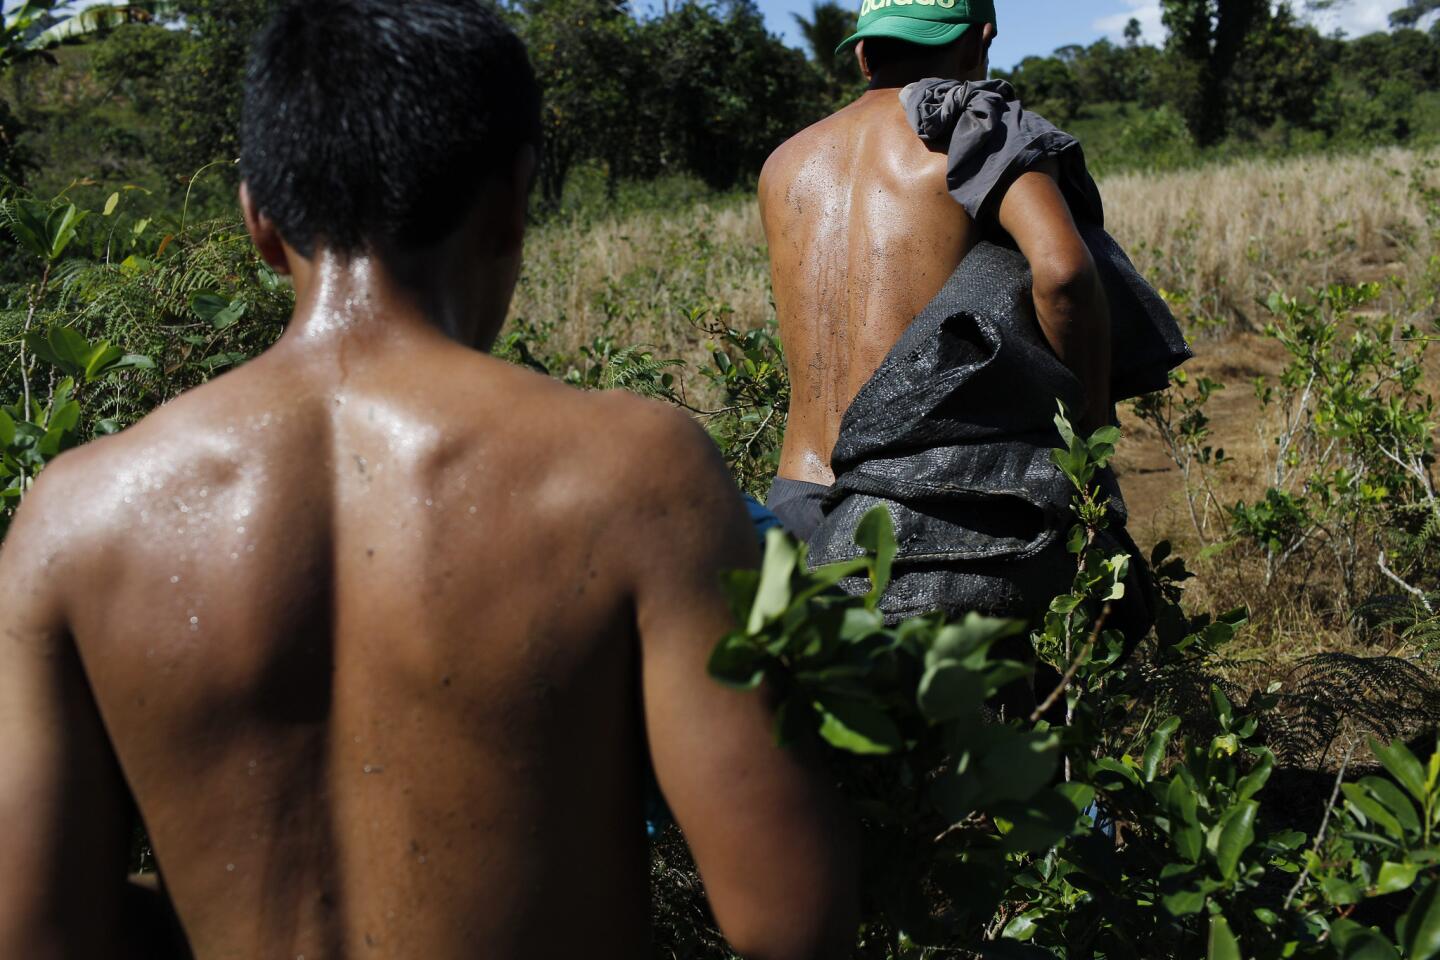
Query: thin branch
{"type": "Point", "coordinates": [756, 435]}
{"type": "Point", "coordinates": [1395, 579]}
{"type": "Point", "coordinates": [1074, 667]}
{"type": "Point", "coordinates": [685, 405]}
{"type": "Point", "coordinates": [36, 296]}
{"type": "Point", "coordinates": [1292, 425]}
{"type": "Point", "coordinates": [1324, 824]}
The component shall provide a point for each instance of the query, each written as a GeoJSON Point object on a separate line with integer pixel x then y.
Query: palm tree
{"type": "Point", "coordinates": [32, 28]}
{"type": "Point", "coordinates": [101, 18]}
{"type": "Point", "coordinates": [829, 24]}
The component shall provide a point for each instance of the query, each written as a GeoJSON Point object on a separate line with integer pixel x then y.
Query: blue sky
{"type": "Point", "coordinates": [1039, 26]}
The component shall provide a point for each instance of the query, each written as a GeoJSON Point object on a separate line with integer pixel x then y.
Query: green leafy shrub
{"type": "Point", "coordinates": [1178, 416]}
{"type": "Point", "coordinates": [1350, 472]}
{"type": "Point", "coordinates": [1120, 832]}
{"type": "Point", "coordinates": [1156, 139]}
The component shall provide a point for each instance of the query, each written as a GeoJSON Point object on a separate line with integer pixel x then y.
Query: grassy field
{"type": "Point", "coordinates": [1218, 240]}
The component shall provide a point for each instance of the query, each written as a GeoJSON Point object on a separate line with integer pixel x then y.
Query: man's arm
{"type": "Point", "coordinates": [768, 833]}
{"type": "Point", "coordinates": [64, 810]}
{"type": "Point", "coordinates": [1069, 298]}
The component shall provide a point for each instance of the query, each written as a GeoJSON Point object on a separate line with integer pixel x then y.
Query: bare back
{"type": "Point", "coordinates": [862, 235]}
{"type": "Point", "coordinates": [355, 654]}
{"type": "Point", "coordinates": [378, 634]}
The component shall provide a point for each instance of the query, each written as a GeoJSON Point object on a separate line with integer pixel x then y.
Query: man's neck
{"type": "Point", "coordinates": [359, 297]}
{"type": "Point", "coordinates": [903, 76]}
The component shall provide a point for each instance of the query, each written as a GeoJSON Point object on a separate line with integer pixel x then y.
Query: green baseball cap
{"type": "Point", "coordinates": [930, 23]}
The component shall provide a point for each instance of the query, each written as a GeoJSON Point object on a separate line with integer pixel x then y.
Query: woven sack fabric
{"type": "Point", "coordinates": [953, 436]}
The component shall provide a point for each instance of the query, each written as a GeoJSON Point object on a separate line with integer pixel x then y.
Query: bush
{"type": "Point", "coordinates": [1156, 139]}
{"type": "Point", "coordinates": [1002, 837]}
{"type": "Point", "coordinates": [122, 313]}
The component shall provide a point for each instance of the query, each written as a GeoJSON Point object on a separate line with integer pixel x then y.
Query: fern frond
{"type": "Point", "coordinates": [1334, 694]}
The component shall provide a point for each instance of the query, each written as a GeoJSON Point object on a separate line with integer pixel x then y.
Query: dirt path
{"type": "Point", "coordinates": [1153, 484]}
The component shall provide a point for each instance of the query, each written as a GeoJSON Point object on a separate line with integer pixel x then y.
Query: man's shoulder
{"type": "Point", "coordinates": [786, 160]}
{"type": "Point", "coordinates": [91, 486]}
{"type": "Point", "coordinates": [67, 516]}
{"type": "Point", "coordinates": [644, 440]}
{"type": "Point", "coordinates": [866, 141]}
{"type": "Point", "coordinates": [576, 419]}
{"type": "Point", "coordinates": [619, 454]}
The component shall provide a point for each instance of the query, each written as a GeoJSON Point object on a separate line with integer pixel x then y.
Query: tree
{"type": "Point", "coordinates": [1206, 39]}
{"type": "Point", "coordinates": [137, 61]}
{"type": "Point", "coordinates": [703, 90]}
{"type": "Point", "coordinates": [1048, 86]}
{"type": "Point", "coordinates": [1413, 12]}
{"type": "Point", "coordinates": [725, 91]}
{"type": "Point", "coordinates": [1405, 55]}
{"type": "Point", "coordinates": [1105, 72]}
{"type": "Point", "coordinates": [1283, 63]}
{"type": "Point", "coordinates": [587, 62]}
{"type": "Point", "coordinates": [202, 102]}
{"type": "Point", "coordinates": [829, 24]}
{"type": "Point", "coordinates": [22, 40]}
{"type": "Point", "coordinates": [1133, 32]}
{"type": "Point", "coordinates": [28, 31]}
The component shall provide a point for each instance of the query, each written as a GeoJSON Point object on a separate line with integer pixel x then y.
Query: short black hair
{"type": "Point", "coordinates": [370, 123]}
{"type": "Point", "coordinates": [884, 52]}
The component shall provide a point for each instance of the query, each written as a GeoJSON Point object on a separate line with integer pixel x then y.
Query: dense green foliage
{"type": "Point", "coordinates": [173, 295]}
{"type": "Point", "coordinates": [1236, 76]}
{"type": "Point", "coordinates": [703, 90]}
{"type": "Point", "coordinates": [1116, 820]}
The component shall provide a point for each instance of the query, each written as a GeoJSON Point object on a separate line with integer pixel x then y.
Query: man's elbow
{"type": "Point", "coordinates": [1067, 282]}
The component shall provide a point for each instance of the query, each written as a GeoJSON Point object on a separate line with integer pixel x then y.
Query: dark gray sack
{"type": "Point", "coordinates": [953, 436]}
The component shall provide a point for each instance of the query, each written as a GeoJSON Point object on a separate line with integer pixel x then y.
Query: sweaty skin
{"type": "Point", "coordinates": [375, 630]}
{"type": "Point", "coordinates": [863, 234]}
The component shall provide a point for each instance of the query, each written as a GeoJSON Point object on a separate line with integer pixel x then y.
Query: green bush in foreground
{"type": "Point", "coordinates": [1117, 832]}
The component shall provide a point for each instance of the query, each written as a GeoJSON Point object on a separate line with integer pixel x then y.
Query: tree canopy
{"type": "Point", "coordinates": [703, 89]}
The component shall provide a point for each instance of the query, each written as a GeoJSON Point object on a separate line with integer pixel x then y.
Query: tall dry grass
{"type": "Point", "coordinates": [641, 277]}
{"type": "Point", "coordinates": [1217, 238]}
{"type": "Point", "coordinates": [1226, 236]}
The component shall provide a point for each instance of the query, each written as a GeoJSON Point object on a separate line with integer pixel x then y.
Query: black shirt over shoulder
{"type": "Point", "coordinates": [990, 139]}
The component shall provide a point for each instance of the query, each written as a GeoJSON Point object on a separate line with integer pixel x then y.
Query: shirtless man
{"type": "Point", "coordinates": [379, 633]}
{"type": "Point", "coordinates": [863, 234]}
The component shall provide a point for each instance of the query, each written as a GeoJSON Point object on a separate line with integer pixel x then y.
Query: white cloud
{"type": "Point", "coordinates": [1358, 17]}
{"type": "Point", "coordinates": [1355, 17]}
{"type": "Point", "coordinates": [1146, 11]}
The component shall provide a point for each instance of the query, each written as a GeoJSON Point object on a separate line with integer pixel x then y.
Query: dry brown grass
{"type": "Point", "coordinates": [1276, 226]}
{"type": "Point", "coordinates": [640, 277]}
{"type": "Point", "coordinates": [1229, 235]}
{"type": "Point", "coordinates": [1218, 238]}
